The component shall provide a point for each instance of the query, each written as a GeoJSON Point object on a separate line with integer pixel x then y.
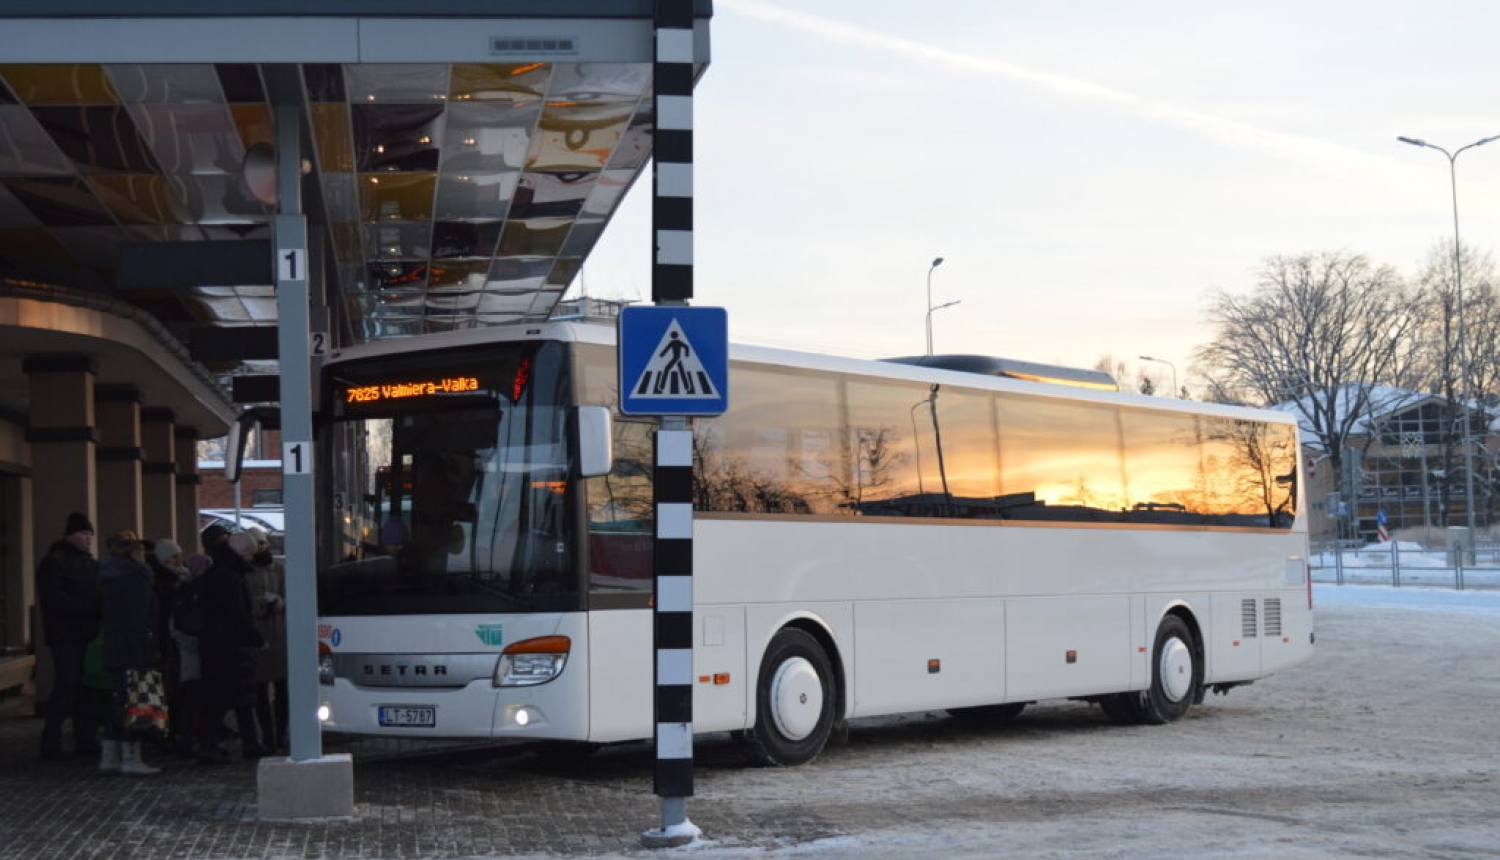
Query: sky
{"type": "Point", "coordinates": [1089, 171]}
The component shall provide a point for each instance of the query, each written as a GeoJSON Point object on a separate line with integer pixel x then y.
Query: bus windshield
{"type": "Point", "coordinates": [450, 484]}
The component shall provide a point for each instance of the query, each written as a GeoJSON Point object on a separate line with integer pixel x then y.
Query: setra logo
{"type": "Point", "coordinates": [489, 634]}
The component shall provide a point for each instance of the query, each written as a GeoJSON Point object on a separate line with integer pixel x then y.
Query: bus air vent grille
{"type": "Point", "coordinates": [1248, 627]}
{"type": "Point", "coordinates": [1273, 616]}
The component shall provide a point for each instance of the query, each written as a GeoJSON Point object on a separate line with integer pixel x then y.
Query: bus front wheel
{"type": "Point", "coordinates": [794, 701]}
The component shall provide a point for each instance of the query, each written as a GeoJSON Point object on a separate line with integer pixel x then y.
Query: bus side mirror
{"type": "Point", "coordinates": [595, 441]}
{"type": "Point", "coordinates": [239, 435]}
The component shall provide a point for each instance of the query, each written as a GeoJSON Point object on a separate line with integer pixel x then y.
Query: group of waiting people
{"type": "Point", "coordinates": [214, 624]}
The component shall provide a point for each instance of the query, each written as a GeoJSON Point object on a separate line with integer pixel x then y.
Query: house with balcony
{"type": "Point", "coordinates": [1403, 459]}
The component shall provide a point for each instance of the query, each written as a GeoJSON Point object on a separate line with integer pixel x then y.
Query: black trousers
{"type": "Point", "coordinates": [70, 699]}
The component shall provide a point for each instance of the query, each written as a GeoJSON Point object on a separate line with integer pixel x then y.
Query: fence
{"type": "Point", "coordinates": [1400, 563]}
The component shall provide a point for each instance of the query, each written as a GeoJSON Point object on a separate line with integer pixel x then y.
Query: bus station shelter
{"type": "Point", "coordinates": [457, 160]}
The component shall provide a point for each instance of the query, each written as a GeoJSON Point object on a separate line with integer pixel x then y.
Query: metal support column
{"type": "Point", "coordinates": [296, 438]}
{"type": "Point", "coordinates": [306, 785]}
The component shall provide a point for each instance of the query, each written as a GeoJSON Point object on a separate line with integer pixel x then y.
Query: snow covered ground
{"type": "Point", "coordinates": [1386, 745]}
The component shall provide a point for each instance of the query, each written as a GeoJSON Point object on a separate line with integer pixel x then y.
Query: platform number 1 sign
{"type": "Point", "coordinates": [291, 265]}
{"type": "Point", "coordinates": [296, 458]}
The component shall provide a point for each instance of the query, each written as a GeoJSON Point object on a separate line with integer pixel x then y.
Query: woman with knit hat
{"type": "Point", "coordinates": [170, 571]}
{"type": "Point", "coordinates": [266, 581]}
{"type": "Point", "coordinates": [187, 713]}
{"type": "Point", "coordinates": [228, 646]}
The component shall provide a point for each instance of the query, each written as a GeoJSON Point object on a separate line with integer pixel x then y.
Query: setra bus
{"type": "Point", "coordinates": [871, 537]}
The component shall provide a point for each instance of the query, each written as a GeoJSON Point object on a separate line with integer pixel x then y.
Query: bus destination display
{"type": "Point", "coordinates": [404, 389]}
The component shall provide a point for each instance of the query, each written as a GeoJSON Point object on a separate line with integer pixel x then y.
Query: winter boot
{"type": "Point", "coordinates": [130, 760]}
{"type": "Point", "coordinates": [109, 756]}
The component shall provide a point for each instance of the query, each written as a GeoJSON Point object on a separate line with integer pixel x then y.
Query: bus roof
{"type": "Point", "coordinates": [1011, 368]}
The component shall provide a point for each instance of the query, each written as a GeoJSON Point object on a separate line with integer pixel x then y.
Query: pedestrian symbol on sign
{"type": "Point", "coordinates": [674, 360]}
{"type": "Point", "coordinates": [674, 371]}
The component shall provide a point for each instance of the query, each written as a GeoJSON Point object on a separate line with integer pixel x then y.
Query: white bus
{"type": "Point", "coordinates": [871, 538]}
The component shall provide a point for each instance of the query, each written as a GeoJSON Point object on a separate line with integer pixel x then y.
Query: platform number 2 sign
{"type": "Point", "coordinates": [296, 458]}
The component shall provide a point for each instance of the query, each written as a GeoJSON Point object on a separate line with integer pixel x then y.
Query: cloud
{"type": "Point", "coordinates": [1343, 161]}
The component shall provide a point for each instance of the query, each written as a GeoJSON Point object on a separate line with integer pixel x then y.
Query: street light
{"type": "Point", "coordinates": [1176, 392]}
{"type": "Point", "coordinates": [930, 308]}
{"type": "Point", "coordinates": [929, 320]}
{"type": "Point", "coordinates": [1458, 302]}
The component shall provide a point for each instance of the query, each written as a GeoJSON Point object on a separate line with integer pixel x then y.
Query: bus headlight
{"type": "Point", "coordinates": [532, 661]}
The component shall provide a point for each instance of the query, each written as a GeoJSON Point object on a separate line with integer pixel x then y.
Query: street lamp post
{"type": "Point", "coordinates": [930, 308]}
{"type": "Point", "coordinates": [1458, 302]}
{"type": "Point", "coordinates": [1176, 392]}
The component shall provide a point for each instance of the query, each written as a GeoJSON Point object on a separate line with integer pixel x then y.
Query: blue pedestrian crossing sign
{"type": "Point", "coordinates": [674, 360]}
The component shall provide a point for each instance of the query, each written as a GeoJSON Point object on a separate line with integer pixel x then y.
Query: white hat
{"type": "Point", "coordinates": [242, 543]}
{"type": "Point", "coordinates": [165, 549]}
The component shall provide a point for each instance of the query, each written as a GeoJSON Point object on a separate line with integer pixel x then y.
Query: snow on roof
{"type": "Point", "coordinates": [1383, 401]}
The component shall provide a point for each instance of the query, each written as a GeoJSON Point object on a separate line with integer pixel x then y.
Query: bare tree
{"type": "Point", "coordinates": [1120, 370]}
{"type": "Point", "coordinates": [1322, 330]}
{"type": "Point", "coordinates": [1467, 374]}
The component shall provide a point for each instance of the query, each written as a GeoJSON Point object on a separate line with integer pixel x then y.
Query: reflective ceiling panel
{"type": "Point", "coordinates": [448, 196]}
{"type": "Point", "coordinates": [61, 84]}
{"type": "Point", "coordinates": [13, 215]}
{"type": "Point", "coordinates": [25, 148]}
{"type": "Point", "coordinates": [468, 182]}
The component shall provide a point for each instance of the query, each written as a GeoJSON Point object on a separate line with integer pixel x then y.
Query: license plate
{"type": "Point", "coordinates": [408, 716]}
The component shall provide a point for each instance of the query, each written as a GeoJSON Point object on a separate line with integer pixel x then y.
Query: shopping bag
{"type": "Point", "coordinates": [95, 676]}
{"type": "Point", "coordinates": [145, 702]}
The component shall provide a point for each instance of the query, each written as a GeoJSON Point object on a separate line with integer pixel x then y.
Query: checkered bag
{"type": "Point", "coordinates": [145, 702]}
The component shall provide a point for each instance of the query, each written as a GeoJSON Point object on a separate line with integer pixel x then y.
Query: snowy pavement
{"type": "Point", "coordinates": [1386, 745]}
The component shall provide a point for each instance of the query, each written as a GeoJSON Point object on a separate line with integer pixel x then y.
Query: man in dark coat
{"type": "Point", "coordinates": [228, 646]}
{"type": "Point", "coordinates": [68, 590]}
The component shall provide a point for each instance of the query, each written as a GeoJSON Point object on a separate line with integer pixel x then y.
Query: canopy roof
{"type": "Point", "coordinates": [461, 158]}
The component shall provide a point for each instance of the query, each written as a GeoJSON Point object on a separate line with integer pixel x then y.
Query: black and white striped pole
{"type": "Point", "coordinates": [672, 151]}
{"type": "Point", "coordinates": [672, 284]}
{"type": "Point", "coordinates": [673, 622]}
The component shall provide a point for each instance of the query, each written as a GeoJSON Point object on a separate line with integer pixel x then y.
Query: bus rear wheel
{"type": "Point", "coordinates": [1176, 677]}
{"type": "Point", "coordinates": [794, 701]}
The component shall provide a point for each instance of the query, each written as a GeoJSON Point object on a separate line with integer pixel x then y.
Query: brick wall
{"type": "Point", "coordinates": [215, 492]}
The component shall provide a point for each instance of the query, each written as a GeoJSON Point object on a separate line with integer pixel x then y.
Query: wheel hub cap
{"type": "Point", "coordinates": [1176, 670]}
{"type": "Point", "coordinates": [796, 698]}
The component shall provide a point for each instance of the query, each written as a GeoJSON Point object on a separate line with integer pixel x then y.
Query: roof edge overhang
{"type": "Point", "coordinates": [87, 31]}
{"type": "Point", "coordinates": [133, 347]}
{"type": "Point", "coordinates": [342, 8]}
